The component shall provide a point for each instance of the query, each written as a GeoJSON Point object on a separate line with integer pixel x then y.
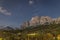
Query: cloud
{"type": "Point", "coordinates": [31, 2]}
{"type": "Point", "coordinates": [4, 11]}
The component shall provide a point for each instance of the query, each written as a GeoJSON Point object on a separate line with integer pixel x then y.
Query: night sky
{"type": "Point", "coordinates": [15, 12]}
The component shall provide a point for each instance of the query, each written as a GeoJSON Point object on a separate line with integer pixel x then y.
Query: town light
{"type": "Point", "coordinates": [32, 34]}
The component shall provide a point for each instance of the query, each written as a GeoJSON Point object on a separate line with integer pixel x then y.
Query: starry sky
{"type": "Point", "coordinates": [15, 12]}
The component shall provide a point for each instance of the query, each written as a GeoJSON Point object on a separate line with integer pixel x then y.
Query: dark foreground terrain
{"type": "Point", "coordinates": [40, 32]}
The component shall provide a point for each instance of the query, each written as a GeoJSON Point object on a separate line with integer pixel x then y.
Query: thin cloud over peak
{"type": "Point", "coordinates": [4, 11]}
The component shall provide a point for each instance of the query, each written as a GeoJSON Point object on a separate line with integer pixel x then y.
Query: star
{"type": "Point", "coordinates": [31, 2]}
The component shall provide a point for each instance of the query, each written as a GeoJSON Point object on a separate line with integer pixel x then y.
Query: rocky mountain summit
{"type": "Point", "coordinates": [43, 20]}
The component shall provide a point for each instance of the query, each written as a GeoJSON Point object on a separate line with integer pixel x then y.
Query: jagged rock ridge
{"type": "Point", "coordinates": [43, 20]}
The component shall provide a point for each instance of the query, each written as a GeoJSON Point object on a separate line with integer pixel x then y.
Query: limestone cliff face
{"type": "Point", "coordinates": [43, 20]}
{"type": "Point", "coordinates": [35, 21]}
{"type": "Point", "coordinates": [58, 20]}
{"type": "Point", "coordinates": [54, 21]}
{"type": "Point", "coordinates": [40, 20]}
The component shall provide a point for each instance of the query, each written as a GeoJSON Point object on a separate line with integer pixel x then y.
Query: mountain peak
{"type": "Point", "coordinates": [41, 20]}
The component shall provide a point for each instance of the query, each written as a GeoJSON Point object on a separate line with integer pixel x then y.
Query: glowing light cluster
{"type": "Point", "coordinates": [32, 34]}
